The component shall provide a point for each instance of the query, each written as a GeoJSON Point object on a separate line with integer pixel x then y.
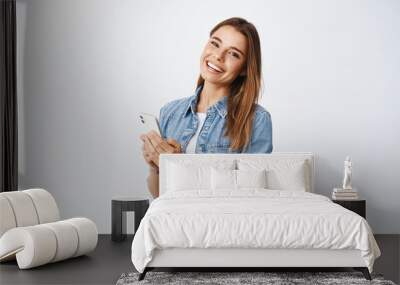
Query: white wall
{"type": "Point", "coordinates": [86, 68]}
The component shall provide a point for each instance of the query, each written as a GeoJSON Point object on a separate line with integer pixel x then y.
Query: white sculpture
{"type": "Point", "coordinates": [347, 174]}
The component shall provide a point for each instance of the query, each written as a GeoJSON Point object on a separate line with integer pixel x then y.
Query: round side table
{"type": "Point", "coordinates": [119, 207]}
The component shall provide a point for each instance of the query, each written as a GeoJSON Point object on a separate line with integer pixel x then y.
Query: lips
{"type": "Point", "coordinates": [213, 67]}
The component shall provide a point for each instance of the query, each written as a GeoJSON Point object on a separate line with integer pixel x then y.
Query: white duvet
{"type": "Point", "coordinates": [250, 218]}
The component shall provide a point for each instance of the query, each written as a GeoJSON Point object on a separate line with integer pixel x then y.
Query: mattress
{"type": "Point", "coordinates": [250, 219]}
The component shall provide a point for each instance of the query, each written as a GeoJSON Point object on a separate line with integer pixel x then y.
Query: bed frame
{"type": "Point", "coordinates": [237, 259]}
{"type": "Point", "coordinates": [248, 259]}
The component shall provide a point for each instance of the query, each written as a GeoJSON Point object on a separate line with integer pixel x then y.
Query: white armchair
{"type": "Point", "coordinates": [32, 233]}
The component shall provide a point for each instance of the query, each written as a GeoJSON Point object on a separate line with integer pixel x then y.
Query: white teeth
{"type": "Point", "coordinates": [213, 66]}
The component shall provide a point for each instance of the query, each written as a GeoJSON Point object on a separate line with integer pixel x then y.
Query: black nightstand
{"type": "Point", "coordinates": [119, 207]}
{"type": "Point", "coordinates": [357, 206]}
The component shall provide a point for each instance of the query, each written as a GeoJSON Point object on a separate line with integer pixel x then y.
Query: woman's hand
{"type": "Point", "coordinates": [154, 145]}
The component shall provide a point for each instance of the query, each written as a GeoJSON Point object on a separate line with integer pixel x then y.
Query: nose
{"type": "Point", "coordinates": [219, 55]}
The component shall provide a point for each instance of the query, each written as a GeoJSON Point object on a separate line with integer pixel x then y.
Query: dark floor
{"type": "Point", "coordinates": [111, 259]}
{"type": "Point", "coordinates": [102, 266]}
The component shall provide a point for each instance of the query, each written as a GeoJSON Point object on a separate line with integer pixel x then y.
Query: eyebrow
{"type": "Point", "coordinates": [235, 48]}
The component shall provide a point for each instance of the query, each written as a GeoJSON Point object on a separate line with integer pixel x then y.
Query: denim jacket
{"type": "Point", "coordinates": [179, 121]}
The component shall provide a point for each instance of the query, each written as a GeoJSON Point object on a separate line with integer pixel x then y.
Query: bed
{"type": "Point", "coordinates": [245, 211]}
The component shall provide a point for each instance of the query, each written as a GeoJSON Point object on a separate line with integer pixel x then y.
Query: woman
{"type": "Point", "coordinates": [223, 115]}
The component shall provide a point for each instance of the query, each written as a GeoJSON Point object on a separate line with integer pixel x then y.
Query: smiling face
{"type": "Point", "coordinates": [224, 56]}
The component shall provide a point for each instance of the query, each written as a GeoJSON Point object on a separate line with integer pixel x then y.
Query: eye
{"type": "Point", "coordinates": [214, 43]}
{"type": "Point", "coordinates": [234, 54]}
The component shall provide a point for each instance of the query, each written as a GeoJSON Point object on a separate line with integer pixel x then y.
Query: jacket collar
{"type": "Point", "coordinates": [220, 105]}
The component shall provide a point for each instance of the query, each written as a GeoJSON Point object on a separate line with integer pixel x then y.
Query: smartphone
{"type": "Point", "coordinates": [150, 122]}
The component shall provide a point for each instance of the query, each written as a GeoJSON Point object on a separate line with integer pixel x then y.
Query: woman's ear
{"type": "Point", "coordinates": [243, 73]}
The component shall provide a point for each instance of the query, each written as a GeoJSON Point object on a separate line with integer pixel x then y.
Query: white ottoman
{"type": "Point", "coordinates": [31, 232]}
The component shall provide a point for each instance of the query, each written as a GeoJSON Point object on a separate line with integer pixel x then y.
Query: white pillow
{"type": "Point", "coordinates": [282, 174]}
{"type": "Point", "coordinates": [223, 179]}
{"type": "Point", "coordinates": [251, 178]}
{"type": "Point", "coordinates": [188, 175]}
{"type": "Point", "coordinates": [237, 179]}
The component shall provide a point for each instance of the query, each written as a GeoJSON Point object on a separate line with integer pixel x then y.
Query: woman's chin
{"type": "Point", "coordinates": [211, 78]}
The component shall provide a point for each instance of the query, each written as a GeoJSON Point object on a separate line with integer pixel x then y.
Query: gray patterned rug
{"type": "Point", "coordinates": [229, 278]}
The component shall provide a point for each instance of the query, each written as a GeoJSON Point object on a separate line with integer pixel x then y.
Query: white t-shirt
{"type": "Point", "coordinates": [191, 147]}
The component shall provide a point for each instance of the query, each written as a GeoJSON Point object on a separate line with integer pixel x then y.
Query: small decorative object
{"type": "Point", "coordinates": [347, 174]}
{"type": "Point", "coordinates": [346, 192]}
